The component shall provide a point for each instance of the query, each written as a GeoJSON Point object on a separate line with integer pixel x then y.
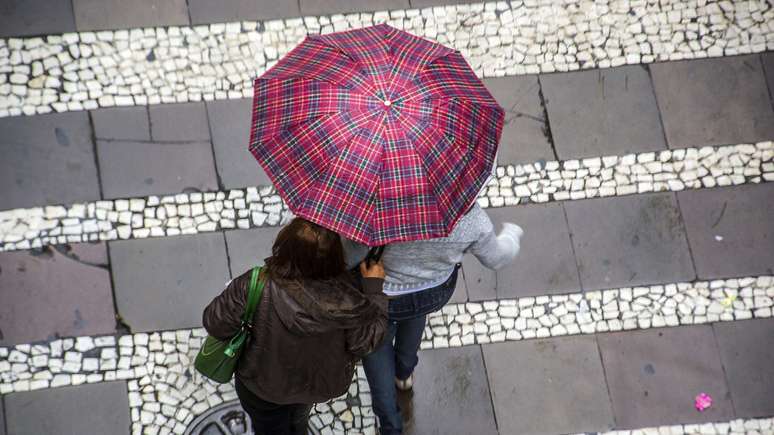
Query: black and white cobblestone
{"type": "Point", "coordinates": [758, 426]}
{"type": "Point", "coordinates": [253, 207]}
{"type": "Point", "coordinates": [599, 311]}
{"type": "Point", "coordinates": [88, 70]}
{"type": "Point", "coordinates": [655, 171]}
{"type": "Point", "coordinates": [137, 218]}
{"type": "Point", "coordinates": [166, 392]}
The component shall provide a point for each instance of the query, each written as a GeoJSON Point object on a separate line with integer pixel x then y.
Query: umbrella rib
{"type": "Point", "coordinates": [302, 78]}
{"type": "Point", "coordinates": [378, 178]}
{"type": "Point", "coordinates": [421, 71]}
{"type": "Point", "coordinates": [318, 80]}
{"type": "Point", "coordinates": [425, 169]}
{"type": "Point", "coordinates": [314, 39]}
{"type": "Point", "coordinates": [446, 82]}
{"type": "Point", "coordinates": [474, 150]}
{"type": "Point", "coordinates": [356, 122]}
{"type": "Point", "coordinates": [326, 171]}
{"type": "Point", "coordinates": [254, 146]}
{"type": "Point", "coordinates": [429, 55]}
{"type": "Point", "coordinates": [441, 102]}
{"type": "Point", "coordinates": [445, 102]}
{"type": "Point", "coordinates": [353, 60]}
{"type": "Point", "coordinates": [418, 97]}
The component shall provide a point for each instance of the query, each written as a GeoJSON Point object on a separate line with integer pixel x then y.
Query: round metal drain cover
{"type": "Point", "coordinates": [225, 419]}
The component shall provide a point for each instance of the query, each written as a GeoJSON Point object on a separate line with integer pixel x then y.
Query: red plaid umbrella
{"type": "Point", "coordinates": [375, 133]}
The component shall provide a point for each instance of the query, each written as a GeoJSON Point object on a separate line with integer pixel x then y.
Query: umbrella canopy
{"type": "Point", "coordinates": [375, 133]}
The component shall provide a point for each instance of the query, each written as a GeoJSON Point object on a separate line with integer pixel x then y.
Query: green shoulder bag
{"type": "Point", "coordinates": [217, 359]}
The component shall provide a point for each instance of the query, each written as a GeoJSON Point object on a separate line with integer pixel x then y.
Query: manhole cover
{"type": "Point", "coordinates": [225, 419]}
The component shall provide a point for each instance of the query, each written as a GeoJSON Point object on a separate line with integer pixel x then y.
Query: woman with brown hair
{"type": "Point", "coordinates": [314, 321]}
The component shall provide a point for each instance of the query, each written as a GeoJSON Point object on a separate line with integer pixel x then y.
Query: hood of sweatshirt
{"type": "Point", "coordinates": [312, 307]}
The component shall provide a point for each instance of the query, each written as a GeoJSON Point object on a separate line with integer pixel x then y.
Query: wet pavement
{"type": "Point", "coordinates": [97, 337]}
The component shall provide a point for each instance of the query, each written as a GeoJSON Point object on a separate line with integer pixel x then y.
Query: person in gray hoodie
{"type": "Point", "coordinates": [420, 278]}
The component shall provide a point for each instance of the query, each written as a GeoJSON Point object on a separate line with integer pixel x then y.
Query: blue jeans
{"type": "Point", "coordinates": [397, 356]}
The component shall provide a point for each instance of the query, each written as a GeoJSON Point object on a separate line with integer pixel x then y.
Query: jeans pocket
{"type": "Point", "coordinates": [424, 301]}
{"type": "Point", "coordinates": [434, 299]}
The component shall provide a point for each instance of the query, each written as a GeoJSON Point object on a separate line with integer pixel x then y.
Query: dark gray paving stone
{"type": "Point", "coordinates": [451, 394]}
{"type": "Point", "coordinates": [143, 168]}
{"type": "Point", "coordinates": [119, 14]}
{"type": "Point", "coordinates": [63, 293]}
{"type": "Point", "coordinates": [249, 248]}
{"type": "Point", "coordinates": [86, 409]}
{"type": "Point", "coordinates": [331, 7]}
{"type": "Point", "coordinates": [697, 110]}
{"type": "Point", "coordinates": [206, 11]}
{"type": "Point", "coordinates": [183, 122]}
{"type": "Point", "coordinates": [747, 352]}
{"type": "Point", "coordinates": [525, 133]}
{"type": "Point", "coordinates": [480, 282]}
{"type": "Point", "coordinates": [230, 122]}
{"type": "Point", "coordinates": [730, 230]}
{"type": "Point", "coordinates": [602, 112]}
{"type": "Point", "coordinates": [628, 241]}
{"type": "Point", "coordinates": [47, 159]}
{"type": "Point", "coordinates": [654, 375]}
{"type": "Point", "coordinates": [127, 123]}
{"type": "Point", "coordinates": [768, 67]}
{"type": "Point", "coordinates": [548, 386]}
{"type": "Point", "coordinates": [545, 264]}
{"type": "Point", "coordinates": [35, 17]}
{"type": "Point", "coordinates": [460, 290]}
{"type": "Point", "coordinates": [165, 283]}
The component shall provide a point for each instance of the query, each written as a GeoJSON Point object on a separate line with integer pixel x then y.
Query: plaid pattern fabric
{"type": "Point", "coordinates": [375, 133]}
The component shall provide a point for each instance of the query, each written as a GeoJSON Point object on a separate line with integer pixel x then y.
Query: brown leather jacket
{"type": "Point", "coordinates": [306, 336]}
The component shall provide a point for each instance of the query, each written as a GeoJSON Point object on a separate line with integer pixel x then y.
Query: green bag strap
{"type": "Point", "coordinates": [254, 295]}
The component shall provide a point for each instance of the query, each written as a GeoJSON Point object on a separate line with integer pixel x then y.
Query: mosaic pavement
{"type": "Point", "coordinates": [640, 174]}
{"type": "Point", "coordinates": [253, 207]}
{"type": "Point", "coordinates": [87, 70]}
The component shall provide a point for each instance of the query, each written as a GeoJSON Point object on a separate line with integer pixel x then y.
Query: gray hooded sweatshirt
{"type": "Point", "coordinates": [423, 264]}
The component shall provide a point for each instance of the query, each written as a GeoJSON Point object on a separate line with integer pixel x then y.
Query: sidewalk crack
{"type": "Point", "coordinates": [67, 251]}
{"type": "Point", "coordinates": [546, 122]}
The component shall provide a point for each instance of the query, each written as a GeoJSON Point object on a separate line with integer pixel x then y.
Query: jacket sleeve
{"type": "Point", "coordinates": [354, 252]}
{"type": "Point", "coordinates": [222, 316]}
{"type": "Point", "coordinates": [496, 250]}
{"type": "Point", "coordinates": [364, 339]}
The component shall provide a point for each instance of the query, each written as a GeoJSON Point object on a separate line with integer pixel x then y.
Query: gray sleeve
{"type": "Point", "coordinates": [492, 251]}
{"type": "Point", "coordinates": [354, 252]}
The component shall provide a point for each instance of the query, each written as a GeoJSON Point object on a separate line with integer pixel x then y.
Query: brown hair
{"type": "Point", "coordinates": [305, 250]}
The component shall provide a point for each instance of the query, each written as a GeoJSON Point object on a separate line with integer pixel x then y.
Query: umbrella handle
{"type": "Point", "coordinates": [374, 254]}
